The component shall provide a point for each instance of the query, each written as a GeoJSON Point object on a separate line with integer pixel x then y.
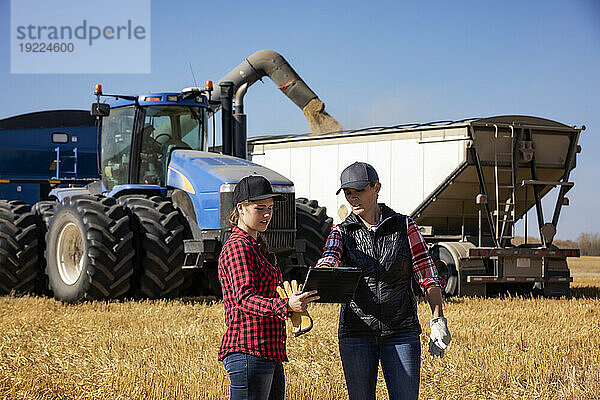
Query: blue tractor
{"type": "Point", "coordinates": [152, 220]}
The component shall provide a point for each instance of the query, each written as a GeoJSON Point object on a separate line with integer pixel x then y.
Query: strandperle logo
{"type": "Point", "coordinates": [85, 31]}
{"type": "Point", "coordinates": [80, 36]}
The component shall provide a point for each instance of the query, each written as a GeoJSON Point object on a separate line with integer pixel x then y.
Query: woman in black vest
{"type": "Point", "coordinates": [381, 323]}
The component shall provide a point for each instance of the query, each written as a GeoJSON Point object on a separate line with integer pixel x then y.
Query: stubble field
{"type": "Point", "coordinates": [502, 348]}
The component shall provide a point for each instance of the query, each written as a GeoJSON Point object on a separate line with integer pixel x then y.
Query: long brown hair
{"type": "Point", "coordinates": [234, 216]}
{"type": "Point", "coordinates": [263, 243]}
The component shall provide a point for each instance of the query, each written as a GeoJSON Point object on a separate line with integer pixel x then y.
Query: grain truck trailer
{"type": "Point", "coordinates": [466, 183]}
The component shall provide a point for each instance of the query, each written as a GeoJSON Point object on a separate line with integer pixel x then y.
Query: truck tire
{"type": "Point", "coordinates": [19, 238]}
{"type": "Point", "coordinates": [89, 249]}
{"type": "Point", "coordinates": [158, 236]}
{"type": "Point", "coordinates": [312, 226]}
{"type": "Point", "coordinates": [559, 269]}
{"type": "Point", "coordinates": [447, 269]}
{"type": "Point", "coordinates": [455, 266]}
{"type": "Point", "coordinates": [43, 211]}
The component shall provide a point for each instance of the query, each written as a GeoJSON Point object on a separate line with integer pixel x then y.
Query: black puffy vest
{"type": "Point", "coordinates": [383, 303]}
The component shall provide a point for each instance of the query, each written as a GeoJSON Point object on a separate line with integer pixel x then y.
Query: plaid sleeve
{"type": "Point", "coordinates": [332, 253]}
{"type": "Point", "coordinates": [423, 267]}
{"type": "Point", "coordinates": [243, 287]}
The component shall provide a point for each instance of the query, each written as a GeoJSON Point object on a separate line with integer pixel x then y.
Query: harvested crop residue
{"type": "Point", "coordinates": [320, 122]}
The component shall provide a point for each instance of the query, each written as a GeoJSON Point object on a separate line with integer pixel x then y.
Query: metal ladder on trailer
{"type": "Point", "coordinates": [64, 155]}
{"type": "Point", "coordinates": [505, 184]}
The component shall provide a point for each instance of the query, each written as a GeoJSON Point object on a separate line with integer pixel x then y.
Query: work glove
{"type": "Point", "coordinates": [440, 337]}
{"type": "Point", "coordinates": [301, 321]}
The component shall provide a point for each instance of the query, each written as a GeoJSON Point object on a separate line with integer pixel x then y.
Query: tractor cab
{"type": "Point", "coordinates": [139, 133]}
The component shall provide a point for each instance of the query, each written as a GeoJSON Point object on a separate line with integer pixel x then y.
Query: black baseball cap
{"type": "Point", "coordinates": [357, 176]}
{"type": "Point", "coordinates": [254, 187]}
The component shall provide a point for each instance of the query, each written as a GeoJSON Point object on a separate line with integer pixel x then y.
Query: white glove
{"type": "Point", "coordinates": [440, 337]}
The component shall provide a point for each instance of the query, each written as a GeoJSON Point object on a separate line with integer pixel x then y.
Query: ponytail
{"type": "Point", "coordinates": [234, 216]}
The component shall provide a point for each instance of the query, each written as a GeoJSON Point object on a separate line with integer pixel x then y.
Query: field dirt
{"type": "Point", "coordinates": [502, 348]}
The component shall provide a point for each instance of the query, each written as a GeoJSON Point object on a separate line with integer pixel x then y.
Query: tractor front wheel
{"type": "Point", "coordinates": [89, 252]}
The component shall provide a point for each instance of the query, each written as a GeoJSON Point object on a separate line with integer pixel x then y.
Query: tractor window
{"type": "Point", "coordinates": [167, 128]}
{"type": "Point", "coordinates": [116, 146]}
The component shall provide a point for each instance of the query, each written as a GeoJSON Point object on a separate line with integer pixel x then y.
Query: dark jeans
{"type": "Point", "coordinates": [254, 378]}
{"type": "Point", "coordinates": [400, 357]}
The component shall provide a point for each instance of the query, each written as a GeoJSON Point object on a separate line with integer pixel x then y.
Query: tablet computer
{"type": "Point", "coordinates": [335, 285]}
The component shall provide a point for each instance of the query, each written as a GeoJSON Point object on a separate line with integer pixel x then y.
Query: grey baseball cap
{"type": "Point", "coordinates": [357, 176]}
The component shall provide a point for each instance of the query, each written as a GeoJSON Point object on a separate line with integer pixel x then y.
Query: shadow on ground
{"type": "Point", "coordinates": [585, 292]}
{"type": "Point", "coordinates": [577, 292]}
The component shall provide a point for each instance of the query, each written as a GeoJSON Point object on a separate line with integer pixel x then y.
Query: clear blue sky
{"type": "Point", "coordinates": [373, 63]}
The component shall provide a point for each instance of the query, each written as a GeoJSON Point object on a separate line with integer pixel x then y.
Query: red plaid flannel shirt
{"type": "Point", "coordinates": [424, 269]}
{"type": "Point", "coordinates": [254, 313]}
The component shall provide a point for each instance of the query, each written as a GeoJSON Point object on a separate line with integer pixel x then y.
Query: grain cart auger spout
{"type": "Point", "coordinates": [253, 68]}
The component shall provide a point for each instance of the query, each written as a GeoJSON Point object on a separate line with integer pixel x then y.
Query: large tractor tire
{"type": "Point", "coordinates": [159, 232]}
{"type": "Point", "coordinates": [19, 238]}
{"type": "Point", "coordinates": [89, 249]}
{"type": "Point", "coordinates": [43, 211]}
{"type": "Point", "coordinates": [313, 226]}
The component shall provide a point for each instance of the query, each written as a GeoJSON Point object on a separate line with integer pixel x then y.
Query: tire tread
{"type": "Point", "coordinates": [19, 241]}
{"type": "Point", "coordinates": [159, 233]}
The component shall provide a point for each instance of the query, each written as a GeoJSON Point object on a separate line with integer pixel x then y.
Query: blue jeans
{"type": "Point", "coordinates": [400, 357]}
{"type": "Point", "coordinates": [254, 378]}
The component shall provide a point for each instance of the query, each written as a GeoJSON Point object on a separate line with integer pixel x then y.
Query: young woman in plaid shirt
{"type": "Point", "coordinates": [380, 323]}
{"type": "Point", "coordinates": [253, 347]}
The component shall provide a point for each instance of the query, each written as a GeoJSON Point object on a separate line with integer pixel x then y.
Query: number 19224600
{"type": "Point", "coordinates": [46, 47]}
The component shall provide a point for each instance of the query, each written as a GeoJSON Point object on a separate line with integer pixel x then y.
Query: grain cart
{"type": "Point", "coordinates": [466, 183]}
{"type": "Point", "coordinates": [38, 151]}
{"type": "Point", "coordinates": [153, 223]}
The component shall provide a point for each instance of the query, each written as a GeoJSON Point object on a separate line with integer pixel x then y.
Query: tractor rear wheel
{"type": "Point", "coordinates": [89, 251]}
{"type": "Point", "coordinates": [159, 233]}
{"type": "Point", "coordinates": [313, 227]}
{"type": "Point", "coordinates": [19, 238]}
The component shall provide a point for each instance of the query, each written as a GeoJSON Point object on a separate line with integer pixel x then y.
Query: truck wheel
{"type": "Point", "coordinates": [557, 268]}
{"type": "Point", "coordinates": [313, 226]}
{"type": "Point", "coordinates": [89, 249]}
{"type": "Point", "coordinates": [159, 233]}
{"type": "Point", "coordinates": [43, 211]}
{"type": "Point", "coordinates": [556, 290]}
{"type": "Point", "coordinates": [446, 267]}
{"type": "Point", "coordinates": [18, 247]}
